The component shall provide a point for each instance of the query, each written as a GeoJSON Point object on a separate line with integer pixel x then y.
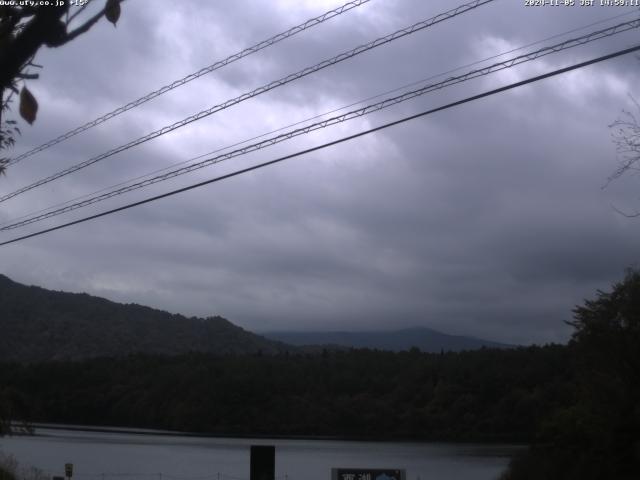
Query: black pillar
{"type": "Point", "coordinates": [263, 462]}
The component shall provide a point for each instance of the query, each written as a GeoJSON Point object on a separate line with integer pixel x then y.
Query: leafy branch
{"type": "Point", "coordinates": [23, 31]}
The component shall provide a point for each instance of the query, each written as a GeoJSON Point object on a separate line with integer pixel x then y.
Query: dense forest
{"type": "Point", "coordinates": [480, 395]}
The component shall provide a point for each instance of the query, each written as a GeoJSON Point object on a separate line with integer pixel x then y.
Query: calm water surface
{"type": "Point", "coordinates": [130, 456]}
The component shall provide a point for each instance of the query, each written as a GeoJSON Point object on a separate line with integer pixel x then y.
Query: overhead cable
{"type": "Point", "coordinates": [329, 144]}
{"type": "Point", "coordinates": [265, 88]}
{"type": "Point", "coordinates": [386, 103]}
{"type": "Point", "coordinates": [203, 71]}
{"type": "Point", "coordinates": [314, 117]}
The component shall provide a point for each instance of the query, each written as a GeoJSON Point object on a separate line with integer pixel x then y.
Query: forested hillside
{"type": "Point", "coordinates": [40, 325]}
{"type": "Point", "coordinates": [480, 395]}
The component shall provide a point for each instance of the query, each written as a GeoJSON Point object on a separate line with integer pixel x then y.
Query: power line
{"type": "Point", "coordinates": [203, 71]}
{"type": "Point", "coordinates": [386, 103]}
{"type": "Point", "coordinates": [265, 88]}
{"type": "Point", "coordinates": [320, 115]}
{"type": "Point", "coordinates": [334, 142]}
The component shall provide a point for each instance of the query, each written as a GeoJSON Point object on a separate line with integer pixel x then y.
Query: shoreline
{"type": "Point", "coordinates": [171, 433]}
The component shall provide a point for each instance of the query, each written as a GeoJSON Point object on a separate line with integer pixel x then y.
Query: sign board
{"type": "Point", "coordinates": [368, 474]}
{"type": "Point", "coordinates": [68, 470]}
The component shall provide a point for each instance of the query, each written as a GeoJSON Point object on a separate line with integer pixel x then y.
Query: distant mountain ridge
{"type": "Point", "coordinates": [41, 325]}
{"type": "Point", "coordinates": [426, 339]}
{"type": "Point", "coordinates": [38, 325]}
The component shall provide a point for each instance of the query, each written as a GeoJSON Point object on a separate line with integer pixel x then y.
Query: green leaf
{"type": "Point", "coordinates": [112, 11]}
{"type": "Point", "coordinates": [28, 105]}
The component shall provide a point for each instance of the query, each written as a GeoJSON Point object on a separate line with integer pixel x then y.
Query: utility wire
{"type": "Point", "coordinates": [386, 103]}
{"type": "Point", "coordinates": [334, 142]}
{"type": "Point", "coordinates": [265, 88]}
{"type": "Point", "coordinates": [320, 115]}
{"type": "Point", "coordinates": [203, 71]}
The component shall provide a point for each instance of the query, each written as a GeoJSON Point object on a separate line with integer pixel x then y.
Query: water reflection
{"type": "Point", "coordinates": [128, 456]}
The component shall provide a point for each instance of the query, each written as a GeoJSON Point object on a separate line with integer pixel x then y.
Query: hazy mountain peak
{"type": "Point", "coordinates": [424, 338]}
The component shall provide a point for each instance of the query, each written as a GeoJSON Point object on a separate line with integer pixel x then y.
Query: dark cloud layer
{"type": "Point", "coordinates": [488, 219]}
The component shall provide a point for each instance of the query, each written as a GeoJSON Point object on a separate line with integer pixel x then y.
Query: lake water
{"type": "Point", "coordinates": [132, 456]}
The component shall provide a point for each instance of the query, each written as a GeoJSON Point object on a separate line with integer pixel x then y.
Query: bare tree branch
{"type": "Point", "coordinates": [28, 76]}
{"type": "Point", "coordinates": [23, 31]}
{"type": "Point", "coordinates": [88, 24]}
{"type": "Point", "coordinates": [78, 12]}
{"type": "Point", "coordinates": [635, 214]}
{"type": "Point", "coordinates": [626, 137]}
{"type": "Point", "coordinates": [84, 27]}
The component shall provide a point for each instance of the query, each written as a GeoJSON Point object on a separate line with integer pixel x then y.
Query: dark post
{"type": "Point", "coordinates": [68, 470]}
{"type": "Point", "coordinates": [263, 462]}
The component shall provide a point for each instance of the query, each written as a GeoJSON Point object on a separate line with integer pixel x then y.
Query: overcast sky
{"type": "Point", "coordinates": [488, 219]}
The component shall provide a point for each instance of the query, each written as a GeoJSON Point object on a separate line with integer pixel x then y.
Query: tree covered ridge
{"type": "Point", "coordinates": [488, 395]}
{"type": "Point", "coordinates": [40, 325]}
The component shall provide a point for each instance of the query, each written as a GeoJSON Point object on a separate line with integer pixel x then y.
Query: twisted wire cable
{"type": "Point", "coordinates": [332, 143]}
{"type": "Point", "coordinates": [386, 103]}
{"type": "Point", "coordinates": [263, 89]}
{"type": "Point", "coordinates": [373, 97]}
{"type": "Point", "coordinates": [203, 71]}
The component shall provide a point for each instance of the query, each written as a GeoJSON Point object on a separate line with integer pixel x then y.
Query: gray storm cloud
{"type": "Point", "coordinates": [488, 219]}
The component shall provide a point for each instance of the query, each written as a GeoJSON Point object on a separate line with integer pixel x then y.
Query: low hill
{"type": "Point", "coordinates": [41, 325]}
{"type": "Point", "coordinates": [426, 339]}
